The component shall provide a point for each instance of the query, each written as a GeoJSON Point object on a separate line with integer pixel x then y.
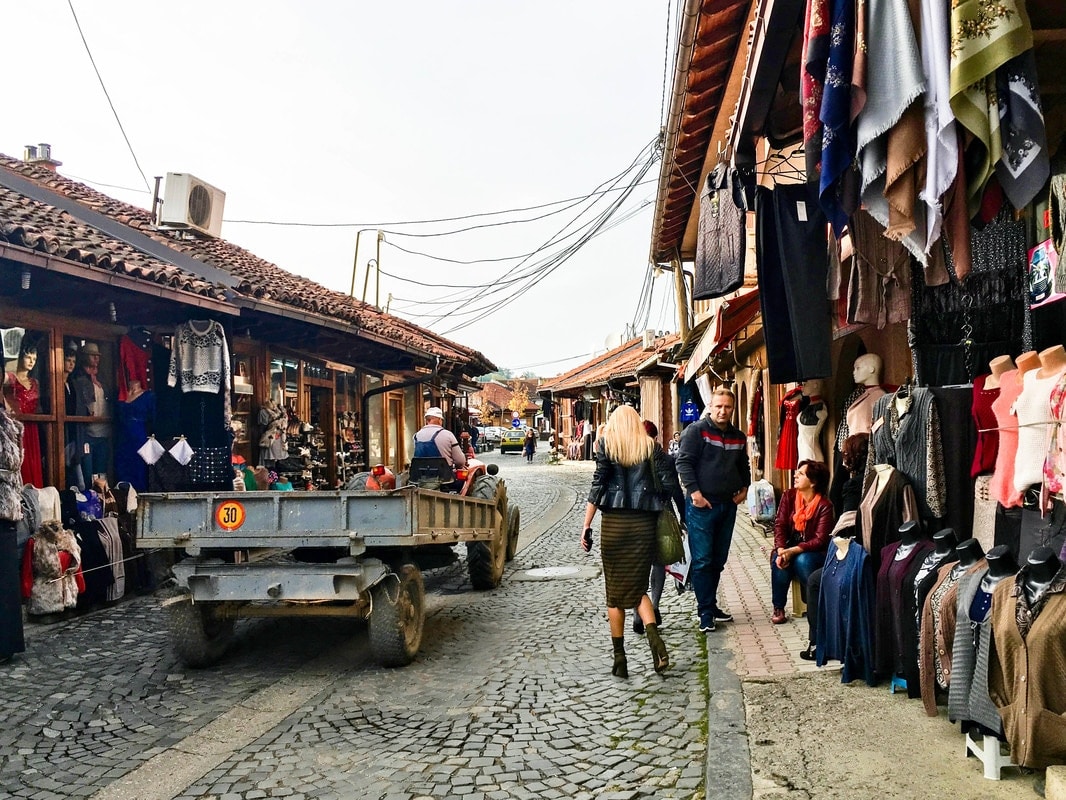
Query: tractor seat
{"type": "Point", "coordinates": [430, 472]}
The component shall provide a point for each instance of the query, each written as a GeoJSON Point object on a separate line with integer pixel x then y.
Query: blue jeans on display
{"type": "Point", "coordinates": [710, 532]}
{"type": "Point", "coordinates": [800, 567]}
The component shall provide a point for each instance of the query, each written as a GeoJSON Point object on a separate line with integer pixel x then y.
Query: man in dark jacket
{"type": "Point", "coordinates": [712, 462]}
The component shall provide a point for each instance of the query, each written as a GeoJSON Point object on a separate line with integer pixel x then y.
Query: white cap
{"type": "Point", "coordinates": [434, 412]}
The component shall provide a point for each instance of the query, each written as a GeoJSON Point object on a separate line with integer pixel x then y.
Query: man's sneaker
{"type": "Point", "coordinates": [722, 616]}
{"type": "Point", "coordinates": [707, 625]}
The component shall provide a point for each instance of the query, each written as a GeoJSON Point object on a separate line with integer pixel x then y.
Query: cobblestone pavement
{"type": "Point", "coordinates": [511, 695]}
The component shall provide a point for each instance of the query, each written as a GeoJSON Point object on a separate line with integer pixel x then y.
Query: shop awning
{"type": "Point", "coordinates": [732, 317]}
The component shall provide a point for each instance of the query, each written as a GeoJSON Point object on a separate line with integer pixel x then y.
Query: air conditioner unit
{"type": "Point", "coordinates": [649, 339]}
{"type": "Point", "coordinates": [189, 202]}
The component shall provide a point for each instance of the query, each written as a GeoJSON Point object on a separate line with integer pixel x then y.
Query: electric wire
{"type": "Point", "coordinates": [538, 272]}
{"type": "Point", "coordinates": [99, 77]}
{"type": "Point", "coordinates": [458, 299]}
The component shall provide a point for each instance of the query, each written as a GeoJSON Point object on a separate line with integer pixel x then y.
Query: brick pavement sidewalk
{"type": "Point", "coordinates": [762, 648]}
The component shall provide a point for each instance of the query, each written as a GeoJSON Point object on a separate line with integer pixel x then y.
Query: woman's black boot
{"type": "Point", "coordinates": [621, 667]}
{"type": "Point", "coordinates": [659, 658]}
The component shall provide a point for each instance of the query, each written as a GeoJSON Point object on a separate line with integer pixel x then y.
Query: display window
{"type": "Point", "coordinates": [28, 391]}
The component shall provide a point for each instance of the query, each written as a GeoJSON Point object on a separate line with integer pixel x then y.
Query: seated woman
{"type": "Point", "coordinates": [801, 532]}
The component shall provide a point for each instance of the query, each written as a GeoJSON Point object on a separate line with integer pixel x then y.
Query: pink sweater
{"type": "Point", "coordinates": [1002, 485]}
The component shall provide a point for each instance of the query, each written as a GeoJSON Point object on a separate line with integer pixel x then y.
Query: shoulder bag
{"type": "Point", "coordinates": [669, 549]}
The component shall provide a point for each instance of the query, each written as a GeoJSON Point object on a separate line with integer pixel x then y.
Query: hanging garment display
{"type": "Point", "coordinates": [1002, 486]}
{"type": "Point", "coordinates": [813, 57]}
{"type": "Point", "coordinates": [133, 360]}
{"type": "Point", "coordinates": [846, 613]}
{"type": "Point", "coordinates": [887, 502]}
{"type": "Point", "coordinates": [958, 435]}
{"type": "Point", "coordinates": [895, 582]}
{"type": "Point", "coordinates": [199, 360]}
{"type": "Point", "coordinates": [721, 243]}
{"type": "Point", "coordinates": [791, 257]}
{"type": "Point", "coordinates": [1029, 641]}
{"type": "Point", "coordinates": [906, 435]}
{"type": "Point", "coordinates": [1033, 410]}
{"type": "Point", "coordinates": [941, 134]}
{"type": "Point", "coordinates": [968, 699]}
{"type": "Point", "coordinates": [880, 283]}
{"type": "Point", "coordinates": [133, 420]}
{"type": "Point", "coordinates": [788, 436]}
{"type": "Point", "coordinates": [27, 400]}
{"type": "Point", "coordinates": [984, 418]}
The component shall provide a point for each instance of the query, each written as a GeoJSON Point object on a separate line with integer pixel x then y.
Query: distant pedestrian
{"type": "Point", "coordinates": [530, 446]}
{"type": "Point", "coordinates": [623, 489]}
{"type": "Point", "coordinates": [712, 463]}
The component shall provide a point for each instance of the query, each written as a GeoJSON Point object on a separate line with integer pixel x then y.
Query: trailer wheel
{"type": "Point", "coordinates": [397, 617]}
{"type": "Point", "coordinates": [485, 560]}
{"type": "Point", "coordinates": [513, 524]}
{"type": "Point", "coordinates": [198, 632]}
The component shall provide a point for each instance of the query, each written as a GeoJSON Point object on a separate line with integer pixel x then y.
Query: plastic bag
{"type": "Point", "coordinates": [679, 570]}
{"type": "Point", "coordinates": [762, 503]}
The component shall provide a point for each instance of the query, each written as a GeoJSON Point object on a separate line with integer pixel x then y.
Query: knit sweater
{"type": "Point", "coordinates": [1025, 680]}
{"type": "Point", "coordinates": [968, 693]}
{"type": "Point", "coordinates": [911, 443]}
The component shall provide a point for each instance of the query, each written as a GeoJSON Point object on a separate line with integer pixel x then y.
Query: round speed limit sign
{"type": "Point", "coordinates": [229, 515]}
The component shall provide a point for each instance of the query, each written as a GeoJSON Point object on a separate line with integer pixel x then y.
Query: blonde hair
{"type": "Point", "coordinates": [624, 439]}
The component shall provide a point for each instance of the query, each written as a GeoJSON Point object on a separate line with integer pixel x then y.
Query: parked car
{"type": "Point", "coordinates": [494, 433]}
{"type": "Point", "coordinates": [514, 439]}
{"type": "Point", "coordinates": [484, 443]}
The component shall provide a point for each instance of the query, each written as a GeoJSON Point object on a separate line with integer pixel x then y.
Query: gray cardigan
{"type": "Point", "coordinates": [968, 693]}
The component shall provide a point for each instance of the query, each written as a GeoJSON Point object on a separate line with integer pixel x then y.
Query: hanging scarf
{"type": "Point", "coordinates": [802, 512]}
{"type": "Point", "coordinates": [1024, 167]}
{"type": "Point", "coordinates": [941, 138]}
{"type": "Point", "coordinates": [889, 137]}
{"type": "Point", "coordinates": [812, 80]}
{"type": "Point", "coordinates": [837, 190]}
{"type": "Point", "coordinates": [984, 36]}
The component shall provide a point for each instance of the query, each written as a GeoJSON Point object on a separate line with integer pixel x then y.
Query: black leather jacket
{"type": "Point", "coordinates": [615, 487]}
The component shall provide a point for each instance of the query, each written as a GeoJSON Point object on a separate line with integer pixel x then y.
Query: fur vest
{"type": "Point", "coordinates": [53, 588]}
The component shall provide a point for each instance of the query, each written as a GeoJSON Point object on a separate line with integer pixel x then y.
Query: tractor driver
{"type": "Point", "coordinates": [433, 441]}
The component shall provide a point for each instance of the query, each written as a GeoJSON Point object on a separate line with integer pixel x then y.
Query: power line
{"type": "Point", "coordinates": [292, 224]}
{"type": "Point", "coordinates": [100, 78]}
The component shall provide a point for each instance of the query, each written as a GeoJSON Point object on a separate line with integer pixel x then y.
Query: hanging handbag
{"type": "Point", "coordinates": [669, 548]}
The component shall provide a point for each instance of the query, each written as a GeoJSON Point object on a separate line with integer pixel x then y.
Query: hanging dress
{"type": "Point", "coordinates": [788, 443]}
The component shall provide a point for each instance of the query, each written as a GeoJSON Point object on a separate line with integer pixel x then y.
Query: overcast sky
{"type": "Point", "coordinates": [378, 113]}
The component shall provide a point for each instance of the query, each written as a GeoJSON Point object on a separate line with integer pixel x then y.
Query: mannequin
{"type": "Point", "coordinates": [1052, 361]}
{"type": "Point", "coordinates": [998, 366]}
{"type": "Point", "coordinates": [134, 421]}
{"type": "Point", "coordinates": [1027, 362]}
{"type": "Point", "coordinates": [788, 442]}
{"type": "Point", "coordinates": [1041, 568]}
{"type": "Point", "coordinates": [1001, 564]}
{"type": "Point", "coordinates": [842, 544]}
{"type": "Point", "coordinates": [969, 552]}
{"type": "Point", "coordinates": [944, 542]}
{"type": "Point", "coordinates": [866, 372]}
{"type": "Point", "coordinates": [909, 534]}
{"type": "Point", "coordinates": [23, 393]}
{"type": "Point", "coordinates": [1033, 409]}
{"type": "Point", "coordinates": [811, 420]}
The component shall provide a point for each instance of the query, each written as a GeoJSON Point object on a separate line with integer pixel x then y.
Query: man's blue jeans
{"type": "Point", "coordinates": [710, 532]}
{"type": "Point", "coordinates": [800, 567]}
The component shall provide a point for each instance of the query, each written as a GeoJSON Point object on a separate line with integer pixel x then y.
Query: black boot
{"type": "Point", "coordinates": [659, 658]}
{"type": "Point", "coordinates": [621, 667]}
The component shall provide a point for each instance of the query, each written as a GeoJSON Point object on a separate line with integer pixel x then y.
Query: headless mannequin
{"type": "Point", "coordinates": [1052, 361]}
{"type": "Point", "coordinates": [135, 390]}
{"type": "Point", "coordinates": [998, 366]}
{"type": "Point", "coordinates": [945, 542]}
{"type": "Point", "coordinates": [1001, 564]}
{"type": "Point", "coordinates": [842, 543]}
{"type": "Point", "coordinates": [1027, 362]}
{"type": "Point", "coordinates": [810, 422]}
{"type": "Point", "coordinates": [909, 534]}
{"type": "Point", "coordinates": [969, 553]}
{"type": "Point", "coordinates": [1043, 565]}
{"type": "Point", "coordinates": [882, 471]}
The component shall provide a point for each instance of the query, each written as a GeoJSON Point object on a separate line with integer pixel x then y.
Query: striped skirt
{"type": "Point", "coordinates": [627, 544]}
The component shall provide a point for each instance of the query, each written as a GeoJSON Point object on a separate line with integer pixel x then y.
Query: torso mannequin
{"type": "Point", "coordinates": [881, 473]}
{"type": "Point", "coordinates": [969, 553]}
{"type": "Point", "coordinates": [998, 366]}
{"type": "Point", "coordinates": [945, 541]}
{"type": "Point", "coordinates": [909, 533]}
{"type": "Point", "coordinates": [842, 543]}
{"type": "Point", "coordinates": [867, 373]}
{"type": "Point", "coordinates": [1042, 567]}
{"type": "Point", "coordinates": [1027, 362]}
{"type": "Point", "coordinates": [1033, 409]}
{"type": "Point", "coordinates": [1001, 564]}
{"type": "Point", "coordinates": [811, 420]}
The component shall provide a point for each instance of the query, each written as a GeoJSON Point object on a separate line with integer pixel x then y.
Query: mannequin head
{"type": "Point", "coordinates": [70, 360]}
{"type": "Point", "coordinates": [813, 387]}
{"type": "Point", "coordinates": [1026, 362]}
{"type": "Point", "coordinates": [945, 541]}
{"type": "Point", "coordinates": [27, 356]}
{"type": "Point", "coordinates": [867, 370]}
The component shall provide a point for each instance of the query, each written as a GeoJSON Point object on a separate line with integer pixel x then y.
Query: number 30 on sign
{"type": "Point", "coordinates": [229, 515]}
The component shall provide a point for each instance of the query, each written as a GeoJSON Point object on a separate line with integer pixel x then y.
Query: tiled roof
{"type": "Point", "coordinates": [621, 362]}
{"type": "Point", "coordinates": [37, 225]}
{"type": "Point", "coordinates": [43, 228]}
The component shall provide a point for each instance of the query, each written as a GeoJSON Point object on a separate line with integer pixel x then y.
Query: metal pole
{"type": "Point", "coordinates": [355, 262]}
{"type": "Point", "coordinates": [377, 271]}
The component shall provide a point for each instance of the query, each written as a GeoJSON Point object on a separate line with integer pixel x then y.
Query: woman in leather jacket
{"type": "Point", "coordinates": [624, 489]}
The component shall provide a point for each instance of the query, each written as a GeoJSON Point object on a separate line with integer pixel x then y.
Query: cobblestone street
{"type": "Point", "coordinates": [511, 695]}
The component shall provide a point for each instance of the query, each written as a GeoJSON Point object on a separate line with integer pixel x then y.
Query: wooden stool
{"type": "Point", "coordinates": [799, 608]}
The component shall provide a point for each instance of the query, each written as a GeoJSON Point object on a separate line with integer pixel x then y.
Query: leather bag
{"type": "Point", "coordinates": [669, 549]}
